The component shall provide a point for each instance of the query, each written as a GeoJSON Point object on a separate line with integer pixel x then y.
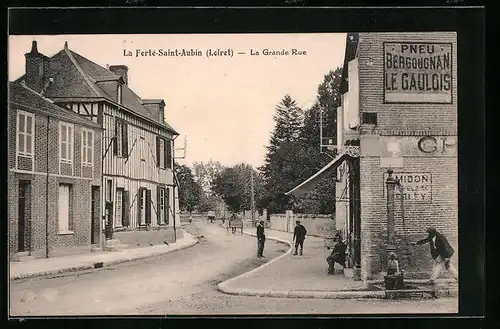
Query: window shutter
{"type": "Point", "coordinates": [125, 139]}
{"type": "Point", "coordinates": [168, 154]}
{"type": "Point", "coordinates": [139, 204]}
{"type": "Point", "coordinates": [148, 207]}
{"type": "Point", "coordinates": [157, 151]}
{"type": "Point", "coordinates": [126, 209]}
{"type": "Point", "coordinates": [167, 205]}
{"type": "Point", "coordinates": [165, 153]}
{"type": "Point", "coordinates": [158, 208]}
{"type": "Point", "coordinates": [115, 140]}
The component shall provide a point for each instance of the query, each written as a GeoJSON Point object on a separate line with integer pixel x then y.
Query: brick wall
{"type": "Point", "coordinates": [427, 117]}
{"type": "Point", "coordinates": [81, 188]}
{"type": "Point", "coordinates": [405, 120]}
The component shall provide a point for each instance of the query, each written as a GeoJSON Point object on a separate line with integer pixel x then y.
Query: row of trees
{"type": "Point", "coordinates": [293, 155]}
{"type": "Point", "coordinates": [211, 186]}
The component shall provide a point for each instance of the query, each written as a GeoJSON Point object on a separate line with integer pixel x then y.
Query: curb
{"type": "Point", "coordinates": [223, 286]}
{"type": "Point", "coordinates": [104, 264]}
{"type": "Point", "coordinates": [332, 294]}
{"type": "Point", "coordinates": [347, 294]}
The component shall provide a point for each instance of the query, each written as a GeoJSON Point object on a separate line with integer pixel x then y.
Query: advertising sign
{"type": "Point", "coordinates": [417, 72]}
{"type": "Point", "coordinates": [417, 186]}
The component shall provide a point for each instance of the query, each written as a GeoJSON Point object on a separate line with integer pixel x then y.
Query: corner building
{"type": "Point", "coordinates": [400, 106]}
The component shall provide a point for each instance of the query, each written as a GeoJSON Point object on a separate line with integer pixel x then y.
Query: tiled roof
{"type": "Point", "coordinates": [25, 97]}
{"type": "Point", "coordinates": [77, 77]}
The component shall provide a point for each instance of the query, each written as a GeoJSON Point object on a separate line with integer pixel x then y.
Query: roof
{"type": "Point", "coordinates": [351, 46]}
{"type": "Point", "coordinates": [24, 97]}
{"type": "Point", "coordinates": [78, 77]}
{"type": "Point", "coordinates": [310, 183]}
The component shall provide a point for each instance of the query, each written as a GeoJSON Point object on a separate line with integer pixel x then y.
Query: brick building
{"type": "Point", "coordinates": [398, 112]}
{"type": "Point", "coordinates": [139, 189]}
{"type": "Point", "coordinates": [54, 176]}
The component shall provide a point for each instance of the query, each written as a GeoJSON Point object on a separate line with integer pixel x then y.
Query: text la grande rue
{"type": "Point", "coordinates": [282, 52]}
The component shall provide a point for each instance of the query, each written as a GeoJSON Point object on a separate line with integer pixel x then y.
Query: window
{"type": "Point", "coordinates": [66, 142]}
{"type": "Point", "coordinates": [109, 190]}
{"type": "Point", "coordinates": [169, 154]}
{"type": "Point", "coordinates": [25, 132]}
{"type": "Point", "coordinates": [370, 118]}
{"type": "Point", "coordinates": [119, 207]}
{"type": "Point", "coordinates": [119, 94]}
{"type": "Point", "coordinates": [87, 147]}
{"type": "Point", "coordinates": [162, 153]}
{"type": "Point", "coordinates": [64, 214]}
{"type": "Point", "coordinates": [120, 146]}
{"type": "Point", "coordinates": [162, 206]}
{"type": "Point", "coordinates": [161, 157]}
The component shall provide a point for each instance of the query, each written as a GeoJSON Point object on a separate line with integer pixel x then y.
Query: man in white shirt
{"type": "Point", "coordinates": [441, 252]}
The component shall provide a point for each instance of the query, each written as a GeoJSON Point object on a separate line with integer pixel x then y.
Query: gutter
{"type": "Point", "coordinates": [174, 185]}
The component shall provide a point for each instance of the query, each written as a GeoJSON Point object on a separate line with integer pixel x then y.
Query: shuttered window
{"type": "Point", "coordinates": [25, 132]}
{"type": "Point", "coordinates": [66, 142]}
{"type": "Point", "coordinates": [120, 147]}
{"type": "Point", "coordinates": [87, 147]}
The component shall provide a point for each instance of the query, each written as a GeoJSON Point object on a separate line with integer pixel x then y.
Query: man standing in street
{"type": "Point", "coordinates": [441, 252]}
{"type": "Point", "coordinates": [261, 238]}
{"type": "Point", "coordinates": [299, 235]}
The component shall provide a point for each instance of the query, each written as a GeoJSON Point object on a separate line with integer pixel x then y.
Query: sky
{"type": "Point", "coordinates": [222, 105]}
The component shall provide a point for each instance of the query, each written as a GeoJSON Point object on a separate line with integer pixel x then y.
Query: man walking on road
{"type": "Point", "coordinates": [299, 235]}
{"type": "Point", "coordinates": [441, 252]}
{"type": "Point", "coordinates": [261, 238]}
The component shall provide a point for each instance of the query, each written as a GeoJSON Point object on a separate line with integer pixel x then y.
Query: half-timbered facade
{"type": "Point", "coordinates": [138, 181]}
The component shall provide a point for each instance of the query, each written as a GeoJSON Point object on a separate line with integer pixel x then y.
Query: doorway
{"type": "Point", "coordinates": [24, 216]}
{"type": "Point", "coordinates": [95, 213]}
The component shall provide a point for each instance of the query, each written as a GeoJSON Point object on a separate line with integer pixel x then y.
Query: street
{"type": "Point", "coordinates": [184, 282]}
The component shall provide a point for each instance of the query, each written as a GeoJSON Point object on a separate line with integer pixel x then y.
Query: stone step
{"type": "Point", "coordinates": [95, 249]}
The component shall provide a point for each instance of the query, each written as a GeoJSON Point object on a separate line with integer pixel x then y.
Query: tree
{"type": "Point", "coordinates": [322, 199]}
{"type": "Point", "coordinates": [229, 185]}
{"type": "Point", "coordinates": [205, 173]}
{"type": "Point", "coordinates": [190, 192]}
{"type": "Point", "coordinates": [280, 171]}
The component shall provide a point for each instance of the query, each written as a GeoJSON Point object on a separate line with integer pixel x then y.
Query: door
{"type": "Point", "coordinates": [355, 211]}
{"type": "Point", "coordinates": [24, 216]}
{"type": "Point", "coordinates": [94, 230]}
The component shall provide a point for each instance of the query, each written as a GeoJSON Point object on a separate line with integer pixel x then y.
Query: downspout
{"type": "Point", "coordinates": [47, 195]}
{"type": "Point", "coordinates": [175, 186]}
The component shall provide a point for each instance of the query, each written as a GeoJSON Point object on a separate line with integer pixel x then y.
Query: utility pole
{"type": "Point", "coordinates": [252, 197]}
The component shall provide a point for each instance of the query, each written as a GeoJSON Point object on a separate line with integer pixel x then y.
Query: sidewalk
{"type": "Point", "coordinates": [301, 276]}
{"type": "Point", "coordinates": [72, 263]}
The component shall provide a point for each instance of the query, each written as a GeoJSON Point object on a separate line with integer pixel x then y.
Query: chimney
{"type": "Point", "coordinates": [36, 69]}
{"type": "Point", "coordinates": [120, 70]}
{"type": "Point", "coordinates": [156, 106]}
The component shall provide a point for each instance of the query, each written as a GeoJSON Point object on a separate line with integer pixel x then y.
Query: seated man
{"type": "Point", "coordinates": [337, 255]}
{"type": "Point", "coordinates": [394, 277]}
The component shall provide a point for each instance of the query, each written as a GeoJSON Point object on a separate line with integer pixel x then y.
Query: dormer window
{"type": "Point", "coordinates": [119, 94]}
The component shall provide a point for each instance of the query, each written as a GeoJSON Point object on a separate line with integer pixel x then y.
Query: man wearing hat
{"type": "Point", "coordinates": [441, 252]}
{"type": "Point", "coordinates": [337, 255]}
{"type": "Point", "coordinates": [299, 235]}
{"type": "Point", "coordinates": [261, 239]}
